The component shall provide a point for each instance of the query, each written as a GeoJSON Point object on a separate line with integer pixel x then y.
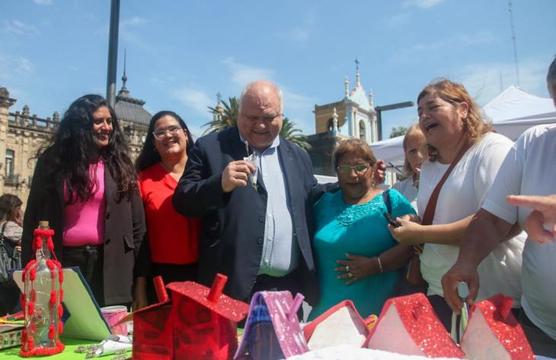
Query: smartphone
{"type": "Point", "coordinates": [391, 220]}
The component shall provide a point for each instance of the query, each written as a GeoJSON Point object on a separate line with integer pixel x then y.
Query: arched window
{"type": "Point", "coordinates": [362, 134]}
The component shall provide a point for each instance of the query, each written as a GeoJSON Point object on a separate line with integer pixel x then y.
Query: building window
{"type": "Point", "coordinates": [362, 134]}
{"type": "Point", "coordinates": [9, 171]}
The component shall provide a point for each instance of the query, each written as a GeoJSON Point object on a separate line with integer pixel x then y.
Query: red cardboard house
{"type": "Point", "coordinates": [197, 323]}
{"type": "Point", "coordinates": [493, 332]}
{"type": "Point", "coordinates": [408, 325]}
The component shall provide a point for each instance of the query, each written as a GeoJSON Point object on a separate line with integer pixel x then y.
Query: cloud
{"type": "Point", "coordinates": [18, 27]}
{"type": "Point", "coordinates": [133, 21]}
{"type": "Point", "coordinates": [43, 2]}
{"type": "Point", "coordinates": [484, 81]}
{"type": "Point", "coordinates": [195, 99]}
{"type": "Point", "coordinates": [458, 40]}
{"type": "Point", "coordinates": [423, 4]}
{"type": "Point", "coordinates": [242, 74]}
{"type": "Point", "coordinates": [303, 32]}
{"type": "Point", "coordinates": [12, 67]}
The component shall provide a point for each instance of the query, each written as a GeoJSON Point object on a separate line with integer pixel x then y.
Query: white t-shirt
{"type": "Point", "coordinates": [530, 169]}
{"type": "Point", "coordinates": [408, 189]}
{"type": "Point", "coordinates": [462, 194]}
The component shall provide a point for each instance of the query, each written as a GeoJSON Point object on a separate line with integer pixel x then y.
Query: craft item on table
{"type": "Point", "coordinates": [408, 325]}
{"type": "Point", "coordinates": [197, 323]}
{"type": "Point", "coordinates": [341, 352]}
{"type": "Point", "coordinates": [85, 320]}
{"type": "Point", "coordinates": [113, 345]}
{"type": "Point", "coordinates": [41, 300]}
{"type": "Point", "coordinates": [10, 333]}
{"type": "Point", "coordinates": [113, 316]}
{"type": "Point", "coordinates": [458, 327]}
{"type": "Point", "coordinates": [252, 158]}
{"type": "Point", "coordinates": [272, 329]}
{"type": "Point", "coordinates": [341, 324]}
{"type": "Point", "coordinates": [494, 333]}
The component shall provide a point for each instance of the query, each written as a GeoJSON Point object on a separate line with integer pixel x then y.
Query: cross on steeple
{"type": "Point", "coordinates": [357, 75]}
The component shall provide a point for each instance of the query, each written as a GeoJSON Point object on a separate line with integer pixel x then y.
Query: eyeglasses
{"type": "Point", "coordinates": [264, 118]}
{"type": "Point", "coordinates": [170, 130]}
{"type": "Point", "coordinates": [359, 169]}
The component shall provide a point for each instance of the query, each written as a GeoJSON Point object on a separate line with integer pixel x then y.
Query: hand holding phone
{"type": "Point", "coordinates": [391, 220]}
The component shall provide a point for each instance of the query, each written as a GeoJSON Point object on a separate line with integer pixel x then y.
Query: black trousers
{"type": "Point", "coordinates": [89, 259]}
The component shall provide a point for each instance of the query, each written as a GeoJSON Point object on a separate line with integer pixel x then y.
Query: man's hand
{"type": "Point", "coordinates": [460, 272]}
{"type": "Point", "coordinates": [236, 174]}
{"type": "Point", "coordinates": [541, 223]}
{"type": "Point", "coordinates": [380, 171]}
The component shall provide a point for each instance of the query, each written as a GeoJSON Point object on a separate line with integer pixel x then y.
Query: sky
{"type": "Point", "coordinates": [180, 54]}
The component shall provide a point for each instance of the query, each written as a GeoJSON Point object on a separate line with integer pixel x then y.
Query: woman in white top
{"type": "Point", "coordinates": [414, 147]}
{"type": "Point", "coordinates": [451, 122]}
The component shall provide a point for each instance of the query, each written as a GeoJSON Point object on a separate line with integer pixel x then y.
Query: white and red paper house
{"type": "Point", "coordinates": [408, 325]}
{"type": "Point", "coordinates": [339, 325]}
{"type": "Point", "coordinates": [493, 332]}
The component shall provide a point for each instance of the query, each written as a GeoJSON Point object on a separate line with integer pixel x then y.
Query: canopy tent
{"type": "Point", "coordinates": [512, 112]}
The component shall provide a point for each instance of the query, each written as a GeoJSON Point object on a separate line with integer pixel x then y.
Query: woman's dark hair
{"type": "Point", "coordinates": [73, 149]}
{"type": "Point", "coordinates": [149, 156]}
{"type": "Point", "coordinates": [8, 203]}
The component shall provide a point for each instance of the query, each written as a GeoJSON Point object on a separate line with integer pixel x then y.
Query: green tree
{"type": "Point", "coordinates": [398, 131]}
{"type": "Point", "coordinates": [223, 116]}
{"type": "Point", "coordinates": [226, 115]}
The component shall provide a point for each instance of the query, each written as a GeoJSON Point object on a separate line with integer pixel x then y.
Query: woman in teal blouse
{"type": "Point", "coordinates": [357, 258]}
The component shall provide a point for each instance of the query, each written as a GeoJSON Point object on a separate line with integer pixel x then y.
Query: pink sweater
{"type": "Point", "coordinates": [84, 221]}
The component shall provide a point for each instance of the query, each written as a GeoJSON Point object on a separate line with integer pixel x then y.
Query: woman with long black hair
{"type": "Point", "coordinates": [85, 185]}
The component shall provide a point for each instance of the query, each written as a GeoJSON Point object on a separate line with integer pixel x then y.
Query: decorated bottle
{"type": "Point", "coordinates": [41, 300]}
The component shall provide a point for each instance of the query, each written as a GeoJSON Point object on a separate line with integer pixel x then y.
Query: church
{"type": "Point", "coordinates": [354, 116]}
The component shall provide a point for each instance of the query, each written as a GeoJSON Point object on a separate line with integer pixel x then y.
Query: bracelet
{"type": "Point", "coordinates": [379, 264]}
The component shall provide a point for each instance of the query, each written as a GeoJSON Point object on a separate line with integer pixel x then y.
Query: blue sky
{"type": "Point", "coordinates": [181, 53]}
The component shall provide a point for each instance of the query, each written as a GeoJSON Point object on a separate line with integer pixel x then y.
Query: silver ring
{"type": "Point", "coordinates": [347, 268]}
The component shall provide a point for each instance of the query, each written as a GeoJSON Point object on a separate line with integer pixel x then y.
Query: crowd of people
{"type": "Point", "coordinates": [244, 202]}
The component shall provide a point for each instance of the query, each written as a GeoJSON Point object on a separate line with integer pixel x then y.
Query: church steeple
{"type": "Point", "coordinates": [124, 91]}
{"type": "Point", "coordinates": [357, 74]}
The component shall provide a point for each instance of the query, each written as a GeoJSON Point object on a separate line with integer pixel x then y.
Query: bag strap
{"type": "Point", "coordinates": [386, 199]}
{"type": "Point", "coordinates": [428, 216]}
{"type": "Point", "coordinates": [2, 233]}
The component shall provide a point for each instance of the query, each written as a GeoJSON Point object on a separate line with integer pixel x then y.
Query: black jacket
{"type": "Point", "coordinates": [124, 229]}
{"type": "Point", "coordinates": [233, 223]}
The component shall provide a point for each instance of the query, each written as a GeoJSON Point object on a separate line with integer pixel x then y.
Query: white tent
{"type": "Point", "coordinates": [512, 112]}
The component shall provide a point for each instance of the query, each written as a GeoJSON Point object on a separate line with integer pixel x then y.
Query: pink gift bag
{"type": "Point", "coordinates": [272, 330]}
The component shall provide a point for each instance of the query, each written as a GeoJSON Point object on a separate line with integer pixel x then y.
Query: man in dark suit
{"type": "Point", "coordinates": [254, 192]}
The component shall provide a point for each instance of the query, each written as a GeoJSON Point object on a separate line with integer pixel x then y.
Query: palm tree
{"type": "Point", "coordinates": [293, 134]}
{"type": "Point", "coordinates": [225, 115]}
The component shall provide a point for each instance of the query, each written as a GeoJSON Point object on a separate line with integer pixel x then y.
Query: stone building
{"type": "Point", "coordinates": [23, 134]}
{"type": "Point", "coordinates": [352, 116]}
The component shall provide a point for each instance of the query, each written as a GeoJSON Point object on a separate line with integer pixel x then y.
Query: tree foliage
{"type": "Point", "coordinates": [398, 131]}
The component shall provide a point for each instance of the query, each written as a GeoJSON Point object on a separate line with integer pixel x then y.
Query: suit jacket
{"type": "Point", "coordinates": [124, 228]}
{"type": "Point", "coordinates": [232, 234]}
